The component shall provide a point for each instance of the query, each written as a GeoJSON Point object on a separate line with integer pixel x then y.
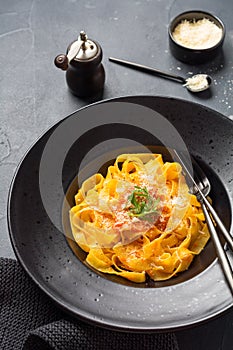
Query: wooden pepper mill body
{"type": "Point", "coordinates": [86, 77]}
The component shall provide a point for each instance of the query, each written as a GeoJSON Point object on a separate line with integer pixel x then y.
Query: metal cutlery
{"type": "Point", "coordinates": [205, 187]}
{"type": "Point", "coordinates": [201, 190]}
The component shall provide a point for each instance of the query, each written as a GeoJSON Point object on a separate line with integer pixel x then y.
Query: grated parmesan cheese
{"type": "Point", "coordinates": [197, 83]}
{"type": "Point", "coordinates": [197, 34]}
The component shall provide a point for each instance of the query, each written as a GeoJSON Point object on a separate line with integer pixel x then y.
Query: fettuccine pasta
{"type": "Point", "coordinates": [140, 220]}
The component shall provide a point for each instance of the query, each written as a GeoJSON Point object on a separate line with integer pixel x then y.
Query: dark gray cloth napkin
{"type": "Point", "coordinates": [29, 320]}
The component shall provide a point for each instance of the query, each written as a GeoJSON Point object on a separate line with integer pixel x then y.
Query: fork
{"type": "Point", "coordinates": [201, 190]}
{"type": "Point", "coordinates": [205, 187]}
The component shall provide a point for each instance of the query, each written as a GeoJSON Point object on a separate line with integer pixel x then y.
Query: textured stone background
{"type": "Point", "coordinates": [34, 95]}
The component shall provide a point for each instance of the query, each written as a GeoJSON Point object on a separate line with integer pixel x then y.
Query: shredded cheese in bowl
{"type": "Point", "coordinates": [197, 34]}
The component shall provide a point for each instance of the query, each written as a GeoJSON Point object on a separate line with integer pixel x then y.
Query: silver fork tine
{"type": "Point", "coordinates": [202, 180]}
{"type": "Point", "coordinates": [225, 264]}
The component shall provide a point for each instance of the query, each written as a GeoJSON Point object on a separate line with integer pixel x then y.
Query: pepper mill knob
{"type": "Point", "coordinates": [85, 74]}
{"type": "Point", "coordinates": [61, 61]}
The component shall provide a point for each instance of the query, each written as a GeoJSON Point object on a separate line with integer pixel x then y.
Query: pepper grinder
{"type": "Point", "coordinates": [85, 75]}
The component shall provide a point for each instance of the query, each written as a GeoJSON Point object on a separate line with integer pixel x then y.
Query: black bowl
{"type": "Point", "coordinates": [189, 55]}
{"type": "Point", "coordinates": [80, 144]}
